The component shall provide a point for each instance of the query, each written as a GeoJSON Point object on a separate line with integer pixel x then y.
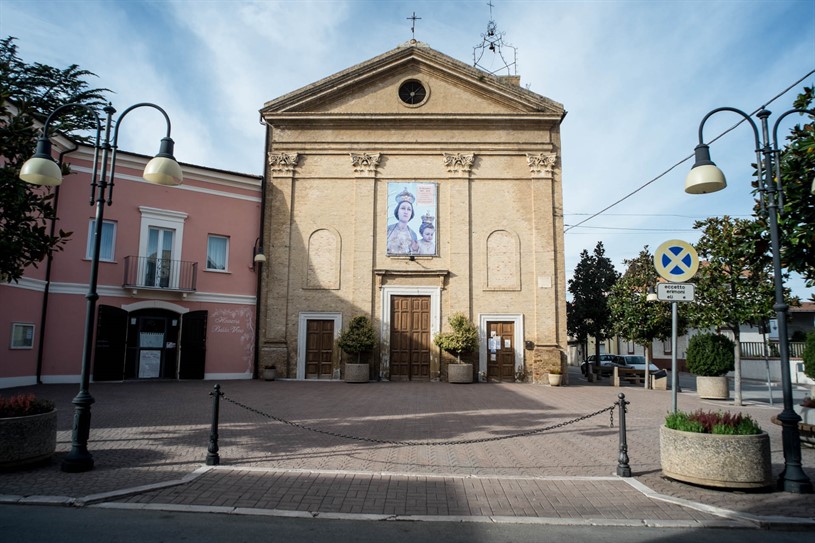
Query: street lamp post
{"type": "Point", "coordinates": [705, 177]}
{"type": "Point", "coordinates": [41, 169]}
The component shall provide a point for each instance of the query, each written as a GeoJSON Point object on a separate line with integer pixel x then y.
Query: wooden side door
{"type": "Point", "coordinates": [193, 345]}
{"type": "Point", "coordinates": [111, 344]}
{"type": "Point", "coordinates": [410, 338]}
{"type": "Point", "coordinates": [319, 349]}
{"type": "Point", "coordinates": [500, 351]}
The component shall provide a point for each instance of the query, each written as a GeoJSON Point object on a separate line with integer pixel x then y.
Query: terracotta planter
{"type": "Point", "coordinates": [555, 379]}
{"type": "Point", "coordinates": [722, 461]}
{"type": "Point", "coordinates": [27, 440]}
{"type": "Point", "coordinates": [459, 373]}
{"type": "Point", "coordinates": [356, 373]}
{"type": "Point", "coordinates": [713, 388]}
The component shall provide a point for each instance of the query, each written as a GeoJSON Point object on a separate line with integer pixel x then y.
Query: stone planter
{"type": "Point", "coordinates": [269, 374]}
{"type": "Point", "coordinates": [555, 379]}
{"type": "Point", "coordinates": [459, 373]}
{"type": "Point", "coordinates": [356, 373]}
{"type": "Point", "coordinates": [27, 440]}
{"type": "Point", "coordinates": [722, 461]}
{"type": "Point", "coordinates": [713, 388]}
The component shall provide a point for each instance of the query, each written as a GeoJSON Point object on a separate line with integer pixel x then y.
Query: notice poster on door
{"type": "Point", "coordinates": [149, 364]}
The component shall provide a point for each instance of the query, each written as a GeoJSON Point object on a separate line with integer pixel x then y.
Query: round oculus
{"type": "Point", "coordinates": [412, 92]}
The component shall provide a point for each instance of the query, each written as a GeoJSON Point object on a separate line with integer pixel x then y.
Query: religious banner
{"type": "Point", "coordinates": [412, 225]}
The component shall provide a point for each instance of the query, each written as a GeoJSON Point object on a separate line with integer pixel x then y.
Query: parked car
{"type": "Point", "coordinates": [607, 363]}
{"type": "Point", "coordinates": [637, 362]}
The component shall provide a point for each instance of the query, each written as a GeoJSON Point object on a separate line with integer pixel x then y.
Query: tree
{"type": "Point", "coordinates": [28, 93]}
{"type": "Point", "coordinates": [797, 215]}
{"type": "Point", "coordinates": [588, 313]}
{"type": "Point", "coordinates": [635, 318]}
{"type": "Point", "coordinates": [463, 337]}
{"type": "Point", "coordinates": [359, 337]}
{"type": "Point", "coordinates": [734, 285]}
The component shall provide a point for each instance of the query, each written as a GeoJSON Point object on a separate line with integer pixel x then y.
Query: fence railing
{"type": "Point", "coordinates": [757, 349]}
{"type": "Point", "coordinates": [159, 273]}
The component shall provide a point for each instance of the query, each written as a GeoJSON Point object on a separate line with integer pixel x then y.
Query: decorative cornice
{"type": "Point", "coordinates": [283, 162]}
{"type": "Point", "coordinates": [365, 163]}
{"type": "Point", "coordinates": [458, 162]}
{"type": "Point", "coordinates": [541, 163]}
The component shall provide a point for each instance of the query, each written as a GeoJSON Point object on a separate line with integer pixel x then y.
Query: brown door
{"type": "Point", "coordinates": [410, 338]}
{"type": "Point", "coordinates": [500, 351]}
{"type": "Point", "coordinates": [319, 349]}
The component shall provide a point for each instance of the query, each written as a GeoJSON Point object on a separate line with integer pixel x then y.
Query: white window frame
{"type": "Point", "coordinates": [21, 326]}
{"type": "Point", "coordinates": [162, 218]}
{"type": "Point", "coordinates": [89, 247]}
{"type": "Point", "coordinates": [226, 256]}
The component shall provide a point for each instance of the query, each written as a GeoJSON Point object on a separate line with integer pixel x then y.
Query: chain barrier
{"type": "Point", "coordinates": [425, 443]}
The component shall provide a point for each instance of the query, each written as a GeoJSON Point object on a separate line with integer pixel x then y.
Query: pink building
{"type": "Point", "coordinates": [177, 284]}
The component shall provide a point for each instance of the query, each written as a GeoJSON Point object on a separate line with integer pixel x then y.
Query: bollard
{"type": "Point", "coordinates": [623, 469]}
{"type": "Point", "coordinates": [213, 459]}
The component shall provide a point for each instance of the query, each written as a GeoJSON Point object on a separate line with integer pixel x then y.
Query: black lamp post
{"type": "Point", "coordinates": [705, 177]}
{"type": "Point", "coordinates": [41, 169]}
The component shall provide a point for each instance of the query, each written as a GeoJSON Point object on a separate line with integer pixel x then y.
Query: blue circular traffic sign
{"type": "Point", "coordinates": [676, 261]}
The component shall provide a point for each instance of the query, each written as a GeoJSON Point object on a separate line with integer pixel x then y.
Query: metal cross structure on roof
{"type": "Point", "coordinates": [494, 41]}
{"type": "Point", "coordinates": [413, 18]}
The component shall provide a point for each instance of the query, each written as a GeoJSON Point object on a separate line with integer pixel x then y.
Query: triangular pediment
{"type": "Point", "coordinates": [451, 87]}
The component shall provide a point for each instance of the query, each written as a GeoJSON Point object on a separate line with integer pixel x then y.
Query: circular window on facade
{"type": "Point", "coordinates": [413, 92]}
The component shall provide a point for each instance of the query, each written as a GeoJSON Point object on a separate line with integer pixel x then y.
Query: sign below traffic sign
{"type": "Point", "coordinates": [675, 292]}
{"type": "Point", "coordinates": [676, 261]}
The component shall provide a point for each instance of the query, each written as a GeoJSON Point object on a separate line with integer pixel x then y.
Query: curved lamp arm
{"type": "Point", "coordinates": [778, 153]}
{"type": "Point", "coordinates": [42, 169]}
{"type": "Point", "coordinates": [705, 176]}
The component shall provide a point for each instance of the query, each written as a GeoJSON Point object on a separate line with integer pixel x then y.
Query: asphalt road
{"type": "Point", "coordinates": [42, 524]}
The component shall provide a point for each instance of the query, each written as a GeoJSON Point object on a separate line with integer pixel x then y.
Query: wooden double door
{"type": "Point", "coordinates": [500, 351]}
{"type": "Point", "coordinates": [410, 342]}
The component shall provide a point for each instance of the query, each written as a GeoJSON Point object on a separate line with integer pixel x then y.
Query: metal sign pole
{"type": "Point", "coordinates": [674, 329]}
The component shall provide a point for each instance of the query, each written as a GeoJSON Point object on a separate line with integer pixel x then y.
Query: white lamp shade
{"type": "Point", "coordinates": [41, 171]}
{"type": "Point", "coordinates": [704, 179]}
{"type": "Point", "coordinates": [260, 257]}
{"type": "Point", "coordinates": [163, 171]}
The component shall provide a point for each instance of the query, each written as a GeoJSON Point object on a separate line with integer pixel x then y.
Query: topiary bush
{"type": "Point", "coordinates": [809, 355]}
{"type": "Point", "coordinates": [359, 337]}
{"type": "Point", "coordinates": [463, 338]}
{"type": "Point", "coordinates": [710, 355]}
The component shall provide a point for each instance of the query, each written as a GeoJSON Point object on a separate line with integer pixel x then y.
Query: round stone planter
{"type": "Point", "coordinates": [356, 373]}
{"type": "Point", "coordinates": [721, 461]}
{"type": "Point", "coordinates": [713, 388]}
{"type": "Point", "coordinates": [459, 373]}
{"type": "Point", "coordinates": [555, 379]}
{"type": "Point", "coordinates": [269, 374]}
{"type": "Point", "coordinates": [27, 440]}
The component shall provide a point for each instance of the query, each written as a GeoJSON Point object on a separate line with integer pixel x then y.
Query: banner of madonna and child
{"type": "Point", "coordinates": [412, 224]}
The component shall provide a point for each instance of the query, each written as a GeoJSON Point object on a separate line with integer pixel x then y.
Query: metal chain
{"type": "Point", "coordinates": [426, 443]}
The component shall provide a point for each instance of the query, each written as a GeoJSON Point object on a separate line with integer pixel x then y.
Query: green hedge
{"type": "Point", "coordinates": [809, 355]}
{"type": "Point", "coordinates": [710, 355]}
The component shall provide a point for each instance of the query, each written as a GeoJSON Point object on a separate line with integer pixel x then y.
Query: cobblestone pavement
{"type": "Point", "coordinates": [149, 441]}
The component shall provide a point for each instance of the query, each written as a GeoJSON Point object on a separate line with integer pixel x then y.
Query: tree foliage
{"type": "Point", "coordinates": [809, 355]}
{"type": "Point", "coordinates": [588, 315]}
{"type": "Point", "coordinates": [462, 338]}
{"type": "Point", "coordinates": [710, 355]}
{"type": "Point", "coordinates": [635, 318]}
{"type": "Point", "coordinates": [796, 217]}
{"type": "Point", "coordinates": [28, 93]}
{"type": "Point", "coordinates": [359, 337]}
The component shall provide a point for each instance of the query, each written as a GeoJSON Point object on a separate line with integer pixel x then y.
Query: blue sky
{"type": "Point", "coordinates": [636, 78]}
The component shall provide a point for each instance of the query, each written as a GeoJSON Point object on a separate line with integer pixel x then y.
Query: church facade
{"type": "Point", "coordinates": [406, 189]}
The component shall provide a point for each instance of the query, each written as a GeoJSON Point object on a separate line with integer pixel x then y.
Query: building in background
{"type": "Point", "coordinates": [177, 282]}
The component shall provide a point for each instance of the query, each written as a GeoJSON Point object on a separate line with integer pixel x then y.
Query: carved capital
{"type": "Point", "coordinates": [458, 162]}
{"type": "Point", "coordinates": [283, 162]}
{"type": "Point", "coordinates": [542, 163]}
{"type": "Point", "coordinates": [365, 163]}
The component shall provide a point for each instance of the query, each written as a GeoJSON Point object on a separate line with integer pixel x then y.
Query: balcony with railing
{"type": "Point", "coordinates": [144, 272]}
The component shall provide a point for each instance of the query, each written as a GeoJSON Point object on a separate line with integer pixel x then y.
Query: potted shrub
{"type": "Point", "coordinates": [555, 376]}
{"type": "Point", "coordinates": [715, 449]}
{"type": "Point", "coordinates": [462, 338]}
{"type": "Point", "coordinates": [710, 357]}
{"type": "Point", "coordinates": [808, 357]}
{"type": "Point", "coordinates": [28, 430]}
{"type": "Point", "coordinates": [358, 338]}
{"type": "Point", "coordinates": [269, 372]}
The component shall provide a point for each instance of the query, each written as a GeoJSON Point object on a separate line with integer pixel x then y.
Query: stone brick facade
{"type": "Point", "coordinates": [483, 155]}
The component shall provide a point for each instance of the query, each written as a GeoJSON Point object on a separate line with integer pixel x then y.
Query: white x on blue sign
{"type": "Point", "coordinates": [676, 261]}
